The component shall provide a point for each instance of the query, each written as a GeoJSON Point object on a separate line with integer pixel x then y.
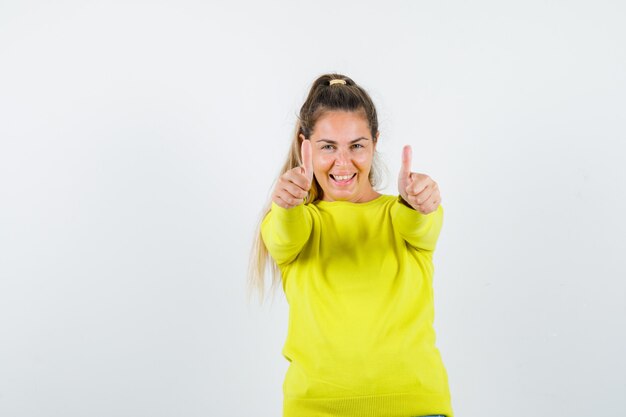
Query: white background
{"type": "Point", "coordinates": [139, 141]}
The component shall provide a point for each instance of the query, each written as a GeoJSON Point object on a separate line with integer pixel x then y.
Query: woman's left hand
{"type": "Point", "coordinates": [419, 190]}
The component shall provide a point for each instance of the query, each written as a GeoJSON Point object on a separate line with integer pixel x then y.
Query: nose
{"type": "Point", "coordinates": [343, 157]}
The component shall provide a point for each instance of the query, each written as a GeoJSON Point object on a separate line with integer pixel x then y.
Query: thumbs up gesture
{"type": "Point", "coordinates": [418, 190]}
{"type": "Point", "coordinates": [294, 185]}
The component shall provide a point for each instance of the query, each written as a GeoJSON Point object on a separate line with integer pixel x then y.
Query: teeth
{"type": "Point", "coordinates": [342, 177]}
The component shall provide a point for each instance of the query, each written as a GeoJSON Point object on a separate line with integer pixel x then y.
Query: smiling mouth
{"type": "Point", "coordinates": [343, 179]}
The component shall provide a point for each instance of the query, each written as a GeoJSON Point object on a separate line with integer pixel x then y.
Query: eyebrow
{"type": "Point", "coordinates": [334, 142]}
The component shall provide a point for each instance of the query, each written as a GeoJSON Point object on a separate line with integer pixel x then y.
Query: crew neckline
{"type": "Point", "coordinates": [323, 203]}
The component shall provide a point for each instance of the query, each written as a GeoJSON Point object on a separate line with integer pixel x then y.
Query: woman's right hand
{"type": "Point", "coordinates": [294, 185]}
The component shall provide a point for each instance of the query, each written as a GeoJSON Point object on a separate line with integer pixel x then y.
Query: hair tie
{"type": "Point", "coordinates": [337, 81]}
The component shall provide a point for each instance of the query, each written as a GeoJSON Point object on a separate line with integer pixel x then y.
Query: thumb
{"type": "Point", "coordinates": [307, 160]}
{"type": "Point", "coordinates": [405, 170]}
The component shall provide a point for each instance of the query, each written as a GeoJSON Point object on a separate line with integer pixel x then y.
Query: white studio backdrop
{"type": "Point", "coordinates": [140, 140]}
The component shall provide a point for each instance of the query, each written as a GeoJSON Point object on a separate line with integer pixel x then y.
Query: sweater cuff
{"type": "Point", "coordinates": [292, 215]}
{"type": "Point", "coordinates": [408, 216]}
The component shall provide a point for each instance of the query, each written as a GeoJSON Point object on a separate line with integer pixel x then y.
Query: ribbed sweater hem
{"type": "Point", "coordinates": [390, 405]}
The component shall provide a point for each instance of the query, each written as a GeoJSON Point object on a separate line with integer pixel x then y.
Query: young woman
{"type": "Point", "coordinates": [356, 267]}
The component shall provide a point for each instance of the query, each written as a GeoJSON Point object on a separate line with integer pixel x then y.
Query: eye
{"type": "Point", "coordinates": [325, 146]}
{"type": "Point", "coordinates": [358, 144]}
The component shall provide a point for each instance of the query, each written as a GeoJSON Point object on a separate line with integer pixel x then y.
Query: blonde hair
{"type": "Point", "coordinates": [323, 97]}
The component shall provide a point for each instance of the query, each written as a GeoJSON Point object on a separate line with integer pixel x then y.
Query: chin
{"type": "Point", "coordinates": [339, 196]}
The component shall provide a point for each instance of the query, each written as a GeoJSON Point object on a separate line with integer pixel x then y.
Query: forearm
{"type": "Point", "coordinates": [419, 230]}
{"type": "Point", "coordinates": [285, 231]}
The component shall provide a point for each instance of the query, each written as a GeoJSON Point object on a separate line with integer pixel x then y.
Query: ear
{"type": "Point", "coordinates": [376, 142]}
{"type": "Point", "coordinates": [301, 136]}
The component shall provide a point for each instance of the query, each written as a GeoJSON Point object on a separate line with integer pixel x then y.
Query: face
{"type": "Point", "coordinates": [343, 150]}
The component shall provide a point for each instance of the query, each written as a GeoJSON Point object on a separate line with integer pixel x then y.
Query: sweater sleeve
{"type": "Point", "coordinates": [419, 230]}
{"type": "Point", "coordinates": [285, 231]}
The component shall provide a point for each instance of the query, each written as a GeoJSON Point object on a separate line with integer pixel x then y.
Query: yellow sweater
{"type": "Point", "coordinates": [358, 280]}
